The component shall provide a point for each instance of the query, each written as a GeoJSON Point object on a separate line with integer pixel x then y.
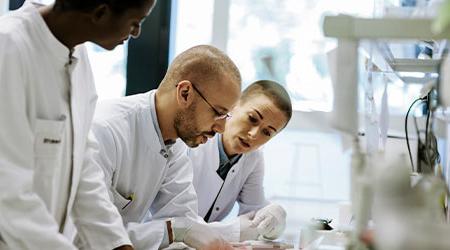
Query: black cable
{"type": "Point", "coordinates": [427, 123]}
{"type": "Point", "coordinates": [427, 150]}
{"type": "Point", "coordinates": [419, 141]}
{"type": "Point", "coordinates": [406, 132]}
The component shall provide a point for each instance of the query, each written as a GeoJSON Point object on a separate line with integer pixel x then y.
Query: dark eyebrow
{"type": "Point", "coordinates": [262, 118]}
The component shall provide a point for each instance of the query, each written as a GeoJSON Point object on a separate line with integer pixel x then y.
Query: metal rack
{"type": "Point", "coordinates": [348, 27]}
{"type": "Point", "coordinates": [350, 31]}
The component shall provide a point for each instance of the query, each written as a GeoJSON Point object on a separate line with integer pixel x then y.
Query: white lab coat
{"type": "Point", "coordinates": [46, 110]}
{"type": "Point", "coordinates": [243, 184]}
{"type": "Point", "coordinates": [133, 163]}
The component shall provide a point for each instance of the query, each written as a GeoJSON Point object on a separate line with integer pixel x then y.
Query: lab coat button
{"type": "Point", "coordinates": [166, 156]}
{"type": "Point", "coordinates": [232, 171]}
{"type": "Point", "coordinates": [217, 208]}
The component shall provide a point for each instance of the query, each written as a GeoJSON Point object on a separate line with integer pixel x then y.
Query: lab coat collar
{"type": "Point", "coordinates": [223, 157]}
{"type": "Point", "coordinates": [165, 147]}
{"type": "Point", "coordinates": [53, 45]}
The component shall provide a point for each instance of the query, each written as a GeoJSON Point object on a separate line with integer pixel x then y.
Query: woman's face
{"type": "Point", "coordinates": [252, 124]}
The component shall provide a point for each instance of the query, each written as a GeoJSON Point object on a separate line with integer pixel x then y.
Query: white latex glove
{"type": "Point", "coordinates": [270, 221]}
{"type": "Point", "coordinates": [247, 230]}
{"type": "Point", "coordinates": [196, 234]}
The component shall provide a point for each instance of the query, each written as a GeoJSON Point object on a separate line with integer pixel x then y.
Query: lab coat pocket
{"type": "Point", "coordinates": [120, 201]}
{"type": "Point", "coordinates": [48, 138]}
{"type": "Point", "coordinates": [48, 151]}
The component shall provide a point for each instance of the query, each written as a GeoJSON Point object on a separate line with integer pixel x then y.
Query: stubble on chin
{"type": "Point", "coordinates": [185, 127]}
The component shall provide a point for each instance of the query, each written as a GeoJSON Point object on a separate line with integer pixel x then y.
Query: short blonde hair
{"type": "Point", "coordinates": [274, 91]}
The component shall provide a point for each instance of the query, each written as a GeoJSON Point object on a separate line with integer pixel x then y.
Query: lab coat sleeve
{"type": "Point", "coordinates": [230, 230]}
{"type": "Point", "coordinates": [176, 198]}
{"type": "Point", "coordinates": [98, 222]}
{"type": "Point", "coordinates": [25, 222]}
{"type": "Point", "coordinates": [251, 196]}
{"type": "Point", "coordinates": [145, 236]}
{"type": "Point", "coordinates": [150, 235]}
{"type": "Point", "coordinates": [106, 156]}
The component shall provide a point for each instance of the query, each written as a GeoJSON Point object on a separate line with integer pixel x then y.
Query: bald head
{"type": "Point", "coordinates": [200, 88]}
{"type": "Point", "coordinates": [202, 65]}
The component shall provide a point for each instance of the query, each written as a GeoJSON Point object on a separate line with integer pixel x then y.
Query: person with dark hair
{"type": "Point", "coordinates": [143, 139]}
{"type": "Point", "coordinates": [117, 6]}
{"type": "Point", "coordinates": [230, 167]}
{"type": "Point", "coordinates": [47, 101]}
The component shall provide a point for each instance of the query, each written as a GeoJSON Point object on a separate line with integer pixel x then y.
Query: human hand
{"type": "Point", "coordinates": [197, 234]}
{"type": "Point", "coordinates": [270, 221]}
{"type": "Point", "coordinates": [247, 230]}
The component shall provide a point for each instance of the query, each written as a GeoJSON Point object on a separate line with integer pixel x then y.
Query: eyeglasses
{"type": "Point", "coordinates": [219, 116]}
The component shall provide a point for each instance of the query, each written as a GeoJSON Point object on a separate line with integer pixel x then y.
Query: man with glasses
{"type": "Point", "coordinates": [146, 167]}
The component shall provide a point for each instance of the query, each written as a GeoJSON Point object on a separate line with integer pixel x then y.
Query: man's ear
{"type": "Point", "coordinates": [100, 14]}
{"type": "Point", "coordinates": [185, 93]}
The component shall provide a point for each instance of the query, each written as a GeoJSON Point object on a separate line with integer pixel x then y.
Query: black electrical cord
{"type": "Point", "coordinates": [427, 124]}
{"type": "Point", "coordinates": [429, 146]}
{"type": "Point", "coordinates": [427, 139]}
{"type": "Point", "coordinates": [406, 131]}
{"type": "Point", "coordinates": [419, 142]}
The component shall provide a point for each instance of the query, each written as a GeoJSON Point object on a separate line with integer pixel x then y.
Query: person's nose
{"type": "Point", "coordinates": [253, 132]}
{"type": "Point", "coordinates": [219, 126]}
